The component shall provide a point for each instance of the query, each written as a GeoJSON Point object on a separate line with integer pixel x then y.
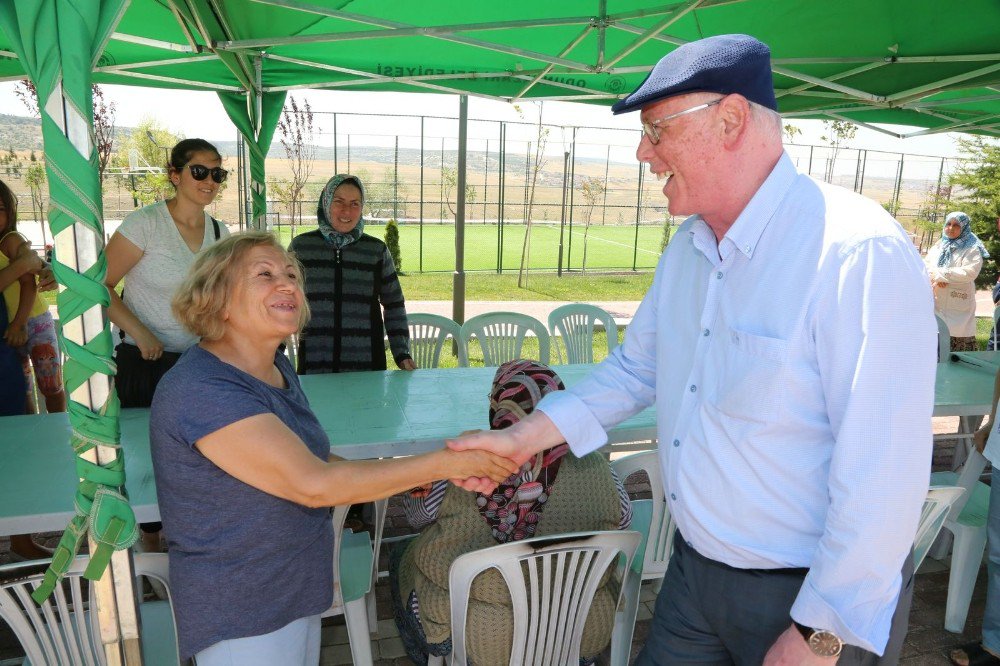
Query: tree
{"type": "Point", "coordinates": [385, 198]}
{"type": "Point", "coordinates": [392, 242]}
{"type": "Point", "coordinates": [791, 131]}
{"type": "Point", "coordinates": [449, 176]}
{"type": "Point", "coordinates": [34, 178]}
{"type": "Point", "coordinates": [838, 133]}
{"type": "Point", "coordinates": [978, 196]}
{"type": "Point", "coordinates": [592, 190]}
{"type": "Point", "coordinates": [104, 119]}
{"type": "Point", "coordinates": [296, 132]}
{"type": "Point", "coordinates": [143, 163]}
{"type": "Point", "coordinates": [104, 130]}
{"type": "Point", "coordinates": [541, 138]}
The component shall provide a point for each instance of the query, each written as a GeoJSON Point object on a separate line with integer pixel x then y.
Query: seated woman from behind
{"type": "Point", "coordinates": [243, 468]}
{"type": "Point", "coordinates": [552, 494]}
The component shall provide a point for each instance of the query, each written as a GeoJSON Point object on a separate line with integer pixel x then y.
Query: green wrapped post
{"type": "Point", "coordinates": [58, 43]}
{"type": "Point", "coordinates": [256, 118]}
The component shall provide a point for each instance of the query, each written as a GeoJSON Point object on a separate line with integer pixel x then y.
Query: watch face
{"type": "Point", "coordinates": [825, 643]}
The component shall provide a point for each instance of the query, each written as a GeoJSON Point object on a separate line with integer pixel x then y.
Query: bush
{"type": "Point", "coordinates": [392, 242]}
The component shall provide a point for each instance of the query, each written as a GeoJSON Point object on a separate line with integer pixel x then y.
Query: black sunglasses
{"type": "Point", "coordinates": [200, 172]}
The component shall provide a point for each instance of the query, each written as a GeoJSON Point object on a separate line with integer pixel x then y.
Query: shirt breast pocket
{"type": "Point", "coordinates": [750, 386]}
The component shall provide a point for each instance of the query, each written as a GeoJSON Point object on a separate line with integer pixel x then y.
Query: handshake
{"type": "Point", "coordinates": [517, 444]}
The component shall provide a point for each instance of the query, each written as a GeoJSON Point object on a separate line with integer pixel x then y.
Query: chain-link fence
{"type": "Point", "coordinates": [591, 206]}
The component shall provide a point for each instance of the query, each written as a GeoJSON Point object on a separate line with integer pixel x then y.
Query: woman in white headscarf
{"type": "Point", "coordinates": [954, 264]}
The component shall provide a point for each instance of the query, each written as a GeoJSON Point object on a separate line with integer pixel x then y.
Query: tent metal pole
{"type": "Point", "coordinates": [420, 244]}
{"type": "Point", "coordinates": [562, 214]}
{"type": "Point", "coordinates": [458, 294]}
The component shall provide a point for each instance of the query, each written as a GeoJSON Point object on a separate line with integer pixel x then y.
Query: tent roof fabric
{"type": "Point", "coordinates": [909, 62]}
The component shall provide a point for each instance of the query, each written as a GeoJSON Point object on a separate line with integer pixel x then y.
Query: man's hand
{"type": "Point", "coordinates": [501, 442]}
{"type": "Point", "coordinates": [791, 650]}
{"type": "Point", "coordinates": [407, 364]}
{"type": "Point", "coordinates": [980, 436]}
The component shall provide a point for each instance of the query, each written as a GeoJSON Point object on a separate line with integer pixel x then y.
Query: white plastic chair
{"type": "Point", "coordinates": [967, 522]}
{"type": "Point", "coordinates": [552, 582]}
{"type": "Point", "coordinates": [944, 340]}
{"type": "Point", "coordinates": [501, 336]}
{"type": "Point", "coordinates": [651, 518]}
{"type": "Point", "coordinates": [64, 631]}
{"type": "Point", "coordinates": [573, 324]}
{"type": "Point", "coordinates": [354, 567]}
{"type": "Point", "coordinates": [428, 334]}
{"type": "Point", "coordinates": [935, 512]}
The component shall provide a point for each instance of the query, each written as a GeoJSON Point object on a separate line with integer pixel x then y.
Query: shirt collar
{"type": "Point", "coordinates": [750, 225]}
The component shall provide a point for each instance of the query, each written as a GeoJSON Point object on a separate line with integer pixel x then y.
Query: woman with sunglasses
{"type": "Point", "coordinates": [153, 250]}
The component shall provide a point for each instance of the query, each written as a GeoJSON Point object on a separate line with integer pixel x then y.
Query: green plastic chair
{"type": "Point", "coordinates": [428, 335]}
{"type": "Point", "coordinates": [573, 325]}
{"type": "Point", "coordinates": [58, 633]}
{"type": "Point", "coordinates": [501, 336]}
{"type": "Point", "coordinates": [353, 566]}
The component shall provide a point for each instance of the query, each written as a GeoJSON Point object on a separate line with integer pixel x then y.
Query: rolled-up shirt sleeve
{"type": "Point", "coordinates": [874, 338]}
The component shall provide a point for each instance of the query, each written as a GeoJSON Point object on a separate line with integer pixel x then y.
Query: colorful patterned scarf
{"type": "Point", "coordinates": [966, 240]}
{"type": "Point", "coordinates": [513, 509]}
{"type": "Point", "coordinates": [332, 236]}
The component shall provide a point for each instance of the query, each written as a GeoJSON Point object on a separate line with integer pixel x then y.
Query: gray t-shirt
{"type": "Point", "coordinates": [166, 260]}
{"type": "Point", "coordinates": [242, 562]}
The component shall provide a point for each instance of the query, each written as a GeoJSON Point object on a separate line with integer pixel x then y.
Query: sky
{"type": "Point", "coordinates": [193, 113]}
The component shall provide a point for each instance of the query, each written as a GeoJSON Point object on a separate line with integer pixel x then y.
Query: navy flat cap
{"type": "Point", "coordinates": [724, 64]}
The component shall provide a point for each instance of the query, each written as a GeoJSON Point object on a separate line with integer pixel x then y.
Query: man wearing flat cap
{"type": "Point", "coordinates": [787, 343]}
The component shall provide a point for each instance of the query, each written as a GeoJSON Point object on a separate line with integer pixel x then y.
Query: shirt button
{"type": "Point", "coordinates": [707, 332]}
{"type": "Point", "coordinates": [718, 276]}
{"type": "Point", "coordinates": [677, 442]}
{"type": "Point", "coordinates": [672, 496]}
{"type": "Point", "coordinates": [693, 388]}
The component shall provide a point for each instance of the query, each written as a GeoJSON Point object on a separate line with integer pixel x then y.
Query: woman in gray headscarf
{"type": "Point", "coordinates": [954, 264]}
{"type": "Point", "coordinates": [352, 289]}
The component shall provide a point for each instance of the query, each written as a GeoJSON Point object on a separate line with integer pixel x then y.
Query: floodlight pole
{"type": "Point", "coordinates": [458, 282]}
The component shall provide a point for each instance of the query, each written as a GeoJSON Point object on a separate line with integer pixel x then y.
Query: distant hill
{"type": "Point", "coordinates": [20, 133]}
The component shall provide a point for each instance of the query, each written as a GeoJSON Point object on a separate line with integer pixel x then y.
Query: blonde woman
{"type": "Point", "coordinates": [245, 481]}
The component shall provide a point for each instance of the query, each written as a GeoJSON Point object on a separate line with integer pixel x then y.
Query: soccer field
{"type": "Point", "coordinates": [608, 247]}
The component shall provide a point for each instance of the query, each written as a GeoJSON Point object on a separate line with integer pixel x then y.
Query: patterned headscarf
{"type": "Point", "coordinates": [332, 236]}
{"type": "Point", "coordinates": [513, 509]}
{"type": "Point", "coordinates": [965, 240]}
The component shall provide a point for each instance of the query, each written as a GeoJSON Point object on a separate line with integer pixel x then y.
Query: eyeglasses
{"type": "Point", "coordinates": [200, 172]}
{"type": "Point", "coordinates": [652, 130]}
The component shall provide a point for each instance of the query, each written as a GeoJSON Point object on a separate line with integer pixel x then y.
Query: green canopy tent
{"type": "Point", "coordinates": [908, 62]}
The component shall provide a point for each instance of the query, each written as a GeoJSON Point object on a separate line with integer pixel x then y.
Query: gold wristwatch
{"type": "Point", "coordinates": [822, 642]}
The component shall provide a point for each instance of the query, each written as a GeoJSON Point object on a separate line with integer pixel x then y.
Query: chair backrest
{"type": "Point", "coordinates": [658, 544]}
{"type": "Point", "coordinates": [501, 336]}
{"type": "Point", "coordinates": [552, 582]}
{"type": "Point", "coordinates": [64, 629]}
{"type": "Point", "coordinates": [573, 324]}
{"type": "Point", "coordinates": [944, 340]}
{"type": "Point", "coordinates": [935, 511]}
{"type": "Point", "coordinates": [428, 334]}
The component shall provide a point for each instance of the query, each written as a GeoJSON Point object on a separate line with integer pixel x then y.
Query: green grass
{"type": "Point", "coordinates": [983, 327]}
{"type": "Point", "coordinates": [608, 247]}
{"type": "Point", "coordinates": [541, 287]}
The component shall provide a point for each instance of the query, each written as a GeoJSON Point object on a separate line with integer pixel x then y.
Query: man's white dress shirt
{"type": "Point", "coordinates": [792, 366]}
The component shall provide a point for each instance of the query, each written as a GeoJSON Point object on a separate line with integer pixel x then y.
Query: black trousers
{"type": "Point", "coordinates": [711, 613]}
